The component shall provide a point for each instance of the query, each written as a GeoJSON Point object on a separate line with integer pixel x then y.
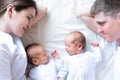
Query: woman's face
{"type": "Point", "coordinates": [20, 21]}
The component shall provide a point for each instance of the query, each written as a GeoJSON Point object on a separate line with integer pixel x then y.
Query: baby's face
{"type": "Point", "coordinates": [70, 47]}
{"type": "Point", "coordinates": [43, 57]}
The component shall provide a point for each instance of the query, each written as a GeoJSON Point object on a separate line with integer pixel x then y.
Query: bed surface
{"type": "Point", "coordinates": [60, 20]}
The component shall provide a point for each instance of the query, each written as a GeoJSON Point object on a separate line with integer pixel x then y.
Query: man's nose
{"type": "Point", "coordinates": [100, 30]}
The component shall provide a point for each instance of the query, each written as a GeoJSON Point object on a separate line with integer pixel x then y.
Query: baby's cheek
{"type": "Point", "coordinates": [47, 59]}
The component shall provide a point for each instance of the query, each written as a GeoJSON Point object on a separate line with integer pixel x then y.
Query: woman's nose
{"type": "Point", "coordinates": [28, 26]}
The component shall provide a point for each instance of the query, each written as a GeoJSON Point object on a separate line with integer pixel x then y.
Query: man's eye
{"type": "Point", "coordinates": [101, 23]}
{"type": "Point", "coordinates": [68, 45]}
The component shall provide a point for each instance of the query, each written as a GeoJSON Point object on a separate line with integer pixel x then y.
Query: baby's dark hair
{"type": "Point", "coordinates": [30, 64]}
{"type": "Point", "coordinates": [29, 47]}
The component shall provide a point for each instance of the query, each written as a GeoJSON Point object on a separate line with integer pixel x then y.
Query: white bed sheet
{"type": "Point", "coordinates": [60, 20]}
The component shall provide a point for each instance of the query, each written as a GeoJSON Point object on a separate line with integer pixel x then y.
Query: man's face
{"type": "Point", "coordinates": [108, 27]}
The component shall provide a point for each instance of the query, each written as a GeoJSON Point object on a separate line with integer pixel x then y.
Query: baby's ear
{"type": "Point", "coordinates": [35, 62]}
{"type": "Point", "coordinates": [80, 46]}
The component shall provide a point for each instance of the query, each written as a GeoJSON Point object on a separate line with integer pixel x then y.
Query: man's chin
{"type": "Point", "coordinates": [110, 40]}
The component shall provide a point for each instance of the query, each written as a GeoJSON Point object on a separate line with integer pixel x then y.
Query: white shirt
{"type": "Point", "coordinates": [117, 65]}
{"type": "Point", "coordinates": [105, 68]}
{"type": "Point", "coordinates": [47, 71]}
{"type": "Point", "coordinates": [13, 59]}
{"type": "Point", "coordinates": [81, 66]}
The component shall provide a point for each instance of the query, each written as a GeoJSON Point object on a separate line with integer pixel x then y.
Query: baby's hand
{"type": "Point", "coordinates": [54, 54]}
{"type": "Point", "coordinates": [58, 78]}
{"type": "Point", "coordinates": [95, 44]}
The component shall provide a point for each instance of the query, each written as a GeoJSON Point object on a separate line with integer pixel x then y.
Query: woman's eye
{"type": "Point", "coordinates": [28, 17]}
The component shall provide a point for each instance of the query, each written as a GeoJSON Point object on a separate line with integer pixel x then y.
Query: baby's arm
{"type": "Point", "coordinates": [58, 61]}
{"type": "Point", "coordinates": [60, 65]}
{"type": "Point", "coordinates": [96, 55]}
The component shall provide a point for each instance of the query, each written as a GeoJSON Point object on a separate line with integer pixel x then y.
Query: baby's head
{"type": "Point", "coordinates": [75, 42]}
{"type": "Point", "coordinates": [36, 54]}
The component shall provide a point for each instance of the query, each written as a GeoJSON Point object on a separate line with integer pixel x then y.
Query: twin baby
{"type": "Point", "coordinates": [79, 65]}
